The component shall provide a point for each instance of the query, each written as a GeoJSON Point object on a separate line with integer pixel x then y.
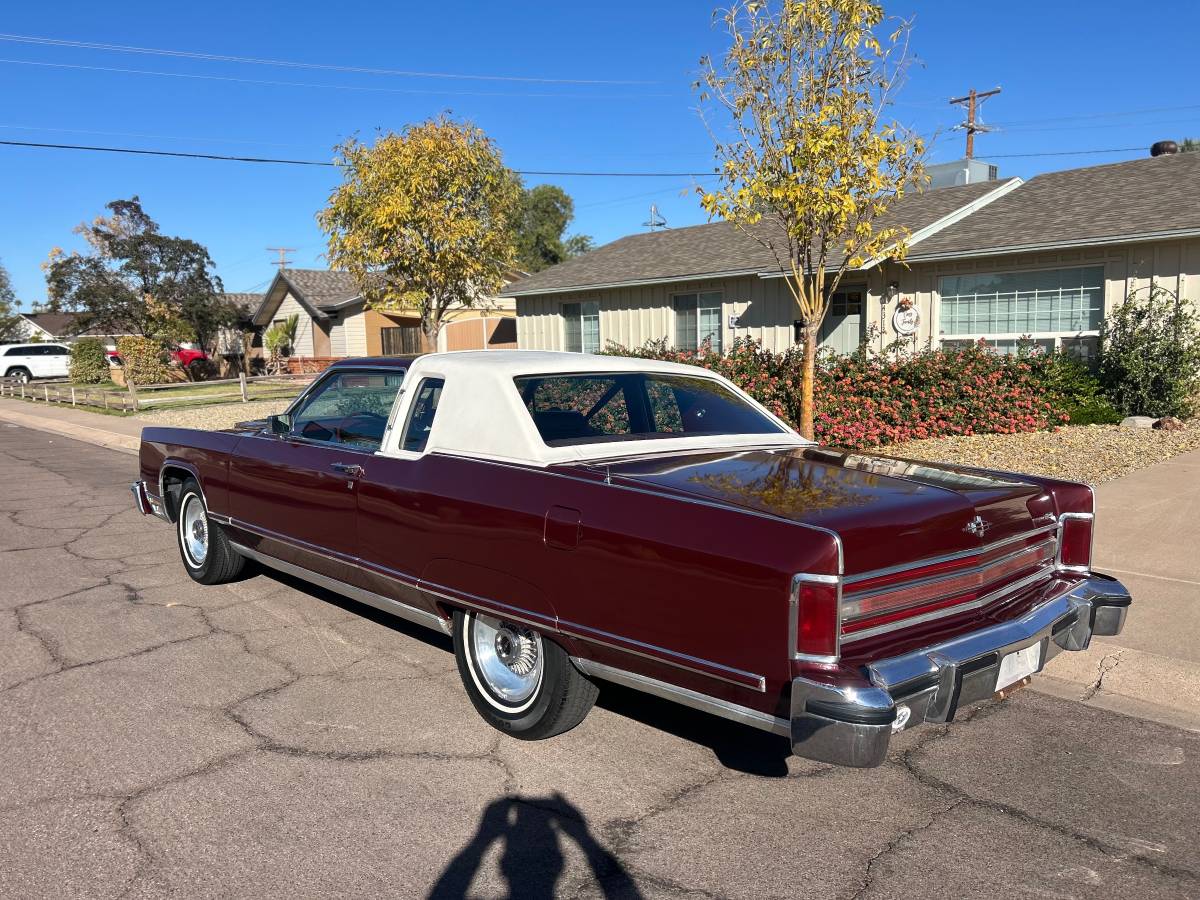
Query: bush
{"type": "Point", "coordinates": [1150, 355]}
{"type": "Point", "coordinates": [146, 361]}
{"type": "Point", "coordinates": [1071, 387]}
{"type": "Point", "coordinates": [865, 400]}
{"type": "Point", "coordinates": [88, 362]}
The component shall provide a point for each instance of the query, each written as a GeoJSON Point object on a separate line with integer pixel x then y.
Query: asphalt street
{"type": "Point", "coordinates": [270, 739]}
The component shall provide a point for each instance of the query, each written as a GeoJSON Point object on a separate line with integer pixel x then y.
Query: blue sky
{"type": "Point", "coordinates": [1124, 81]}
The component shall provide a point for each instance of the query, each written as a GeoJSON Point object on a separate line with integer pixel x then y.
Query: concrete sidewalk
{"type": "Point", "coordinates": [114, 432]}
{"type": "Point", "coordinates": [1146, 536]}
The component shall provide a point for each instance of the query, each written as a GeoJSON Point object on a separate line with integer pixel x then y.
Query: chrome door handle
{"type": "Point", "coordinates": [354, 471]}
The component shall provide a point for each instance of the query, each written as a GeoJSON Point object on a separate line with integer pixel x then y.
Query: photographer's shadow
{"type": "Point", "coordinates": [531, 832]}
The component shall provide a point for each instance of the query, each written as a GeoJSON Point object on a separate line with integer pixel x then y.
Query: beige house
{"type": "Point", "coordinates": [992, 260]}
{"type": "Point", "coordinates": [334, 321]}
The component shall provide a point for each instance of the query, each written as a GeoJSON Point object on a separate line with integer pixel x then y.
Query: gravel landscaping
{"type": "Point", "coordinates": [1088, 453]}
{"type": "Point", "coordinates": [217, 416]}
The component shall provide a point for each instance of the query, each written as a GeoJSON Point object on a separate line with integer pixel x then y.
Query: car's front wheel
{"type": "Point", "coordinates": [520, 682]}
{"type": "Point", "coordinates": [207, 554]}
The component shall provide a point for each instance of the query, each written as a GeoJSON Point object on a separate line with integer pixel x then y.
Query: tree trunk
{"type": "Point", "coordinates": [807, 379]}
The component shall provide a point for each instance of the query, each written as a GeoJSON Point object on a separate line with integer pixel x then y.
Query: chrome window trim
{"type": "Point", "coordinates": [794, 617]}
{"type": "Point", "coordinates": [749, 680]}
{"type": "Point", "coordinates": [1042, 573]}
{"type": "Point", "coordinates": [337, 370]}
{"type": "Point", "coordinates": [949, 557]}
{"type": "Point", "coordinates": [685, 697]}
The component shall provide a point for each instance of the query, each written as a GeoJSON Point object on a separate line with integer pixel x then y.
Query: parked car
{"type": "Point", "coordinates": [190, 358]}
{"type": "Point", "coordinates": [25, 362]}
{"type": "Point", "coordinates": [575, 519]}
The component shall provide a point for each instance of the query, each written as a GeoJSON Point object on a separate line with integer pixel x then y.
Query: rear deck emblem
{"type": "Point", "coordinates": [977, 526]}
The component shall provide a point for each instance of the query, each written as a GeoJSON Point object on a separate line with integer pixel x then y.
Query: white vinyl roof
{"type": "Point", "coordinates": [481, 412]}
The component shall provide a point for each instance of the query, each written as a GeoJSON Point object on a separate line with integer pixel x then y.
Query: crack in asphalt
{"type": "Point", "coordinates": [618, 834]}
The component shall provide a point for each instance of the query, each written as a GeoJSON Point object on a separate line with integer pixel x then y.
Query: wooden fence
{"type": "Point", "coordinates": [162, 396]}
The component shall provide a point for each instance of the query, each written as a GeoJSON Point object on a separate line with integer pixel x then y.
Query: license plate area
{"type": "Point", "coordinates": [1018, 665]}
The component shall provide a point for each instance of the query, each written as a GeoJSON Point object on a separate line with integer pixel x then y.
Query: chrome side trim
{"type": "Point", "coordinates": [685, 697]}
{"type": "Point", "coordinates": [949, 557]}
{"type": "Point", "coordinates": [378, 601]}
{"type": "Point", "coordinates": [680, 660]}
{"type": "Point", "coordinates": [794, 616]}
{"type": "Point", "coordinates": [1040, 575]}
{"type": "Point", "coordinates": [1075, 570]}
{"type": "Point", "coordinates": [528, 617]}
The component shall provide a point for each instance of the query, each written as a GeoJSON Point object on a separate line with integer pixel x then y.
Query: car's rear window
{"type": "Point", "coordinates": [624, 406]}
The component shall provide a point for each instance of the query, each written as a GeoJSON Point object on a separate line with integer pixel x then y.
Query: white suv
{"type": "Point", "coordinates": [24, 362]}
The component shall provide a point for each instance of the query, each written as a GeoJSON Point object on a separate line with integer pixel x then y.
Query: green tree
{"type": "Point", "coordinates": [424, 219]}
{"type": "Point", "coordinates": [546, 211]}
{"type": "Point", "coordinates": [1150, 355]}
{"type": "Point", "coordinates": [279, 340]}
{"type": "Point", "coordinates": [10, 319]}
{"type": "Point", "coordinates": [808, 163]}
{"type": "Point", "coordinates": [136, 280]}
{"type": "Point", "coordinates": [1189, 145]}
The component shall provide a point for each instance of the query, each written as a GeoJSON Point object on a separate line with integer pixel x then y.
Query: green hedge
{"type": "Point", "coordinates": [88, 362]}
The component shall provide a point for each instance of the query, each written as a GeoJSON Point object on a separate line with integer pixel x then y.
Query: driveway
{"type": "Point", "coordinates": [270, 739]}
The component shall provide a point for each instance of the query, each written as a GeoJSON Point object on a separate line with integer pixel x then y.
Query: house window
{"type": "Point", "coordinates": [401, 340]}
{"type": "Point", "coordinates": [581, 327]}
{"type": "Point", "coordinates": [698, 319]}
{"type": "Point", "coordinates": [1051, 306]}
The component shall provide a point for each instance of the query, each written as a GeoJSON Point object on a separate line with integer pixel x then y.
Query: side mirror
{"type": "Point", "coordinates": [281, 424]}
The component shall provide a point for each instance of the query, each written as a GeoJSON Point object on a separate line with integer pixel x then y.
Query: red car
{"type": "Point", "coordinates": [575, 519]}
{"type": "Point", "coordinates": [184, 356]}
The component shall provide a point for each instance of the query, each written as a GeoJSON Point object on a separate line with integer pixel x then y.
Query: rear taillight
{"type": "Point", "coordinates": [1075, 542]}
{"type": "Point", "coordinates": [816, 622]}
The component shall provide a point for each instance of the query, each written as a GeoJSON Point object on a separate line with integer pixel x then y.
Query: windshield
{"type": "Point", "coordinates": [628, 406]}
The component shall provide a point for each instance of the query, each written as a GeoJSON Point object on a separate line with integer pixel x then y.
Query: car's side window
{"type": "Point", "coordinates": [18, 351]}
{"type": "Point", "coordinates": [349, 408]}
{"type": "Point", "coordinates": [420, 417]}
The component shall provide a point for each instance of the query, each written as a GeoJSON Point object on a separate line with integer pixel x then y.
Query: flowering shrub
{"type": "Point", "coordinates": [865, 400]}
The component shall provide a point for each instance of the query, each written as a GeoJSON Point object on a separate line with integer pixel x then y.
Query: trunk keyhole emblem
{"type": "Point", "coordinates": [977, 526]}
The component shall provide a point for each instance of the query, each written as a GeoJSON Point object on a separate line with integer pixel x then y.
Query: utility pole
{"type": "Point", "coordinates": [283, 252]}
{"type": "Point", "coordinates": [972, 126]}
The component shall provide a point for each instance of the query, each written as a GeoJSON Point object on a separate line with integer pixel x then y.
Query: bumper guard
{"type": "Point", "coordinates": [852, 724]}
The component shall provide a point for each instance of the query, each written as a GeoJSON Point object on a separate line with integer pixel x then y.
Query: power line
{"type": "Point", "coordinates": [1105, 115]}
{"type": "Point", "coordinates": [539, 172]}
{"type": "Point", "coordinates": [311, 162]}
{"type": "Point", "coordinates": [292, 64]}
{"type": "Point", "coordinates": [333, 87]}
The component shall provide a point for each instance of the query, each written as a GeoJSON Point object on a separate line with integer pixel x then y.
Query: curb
{"type": "Point", "coordinates": [110, 439]}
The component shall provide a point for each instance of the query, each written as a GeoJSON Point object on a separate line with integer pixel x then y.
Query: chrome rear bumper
{"type": "Point", "coordinates": [147, 504]}
{"type": "Point", "coordinates": [851, 723]}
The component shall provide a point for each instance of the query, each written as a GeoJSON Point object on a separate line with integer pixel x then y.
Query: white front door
{"type": "Point", "coordinates": [842, 329]}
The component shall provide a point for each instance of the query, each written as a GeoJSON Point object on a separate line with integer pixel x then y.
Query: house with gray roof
{"type": "Point", "coordinates": [993, 260]}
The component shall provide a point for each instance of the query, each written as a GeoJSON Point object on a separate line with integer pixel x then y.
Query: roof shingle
{"type": "Point", "coordinates": [323, 288]}
{"type": "Point", "coordinates": [1120, 201]}
{"type": "Point", "coordinates": [717, 248]}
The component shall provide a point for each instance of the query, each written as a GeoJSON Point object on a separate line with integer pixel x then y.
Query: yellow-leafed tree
{"type": "Point", "coordinates": [424, 219]}
{"type": "Point", "coordinates": [809, 161]}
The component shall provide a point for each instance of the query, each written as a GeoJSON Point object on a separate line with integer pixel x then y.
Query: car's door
{"type": "Point", "coordinates": [55, 361]}
{"type": "Point", "coordinates": [19, 357]}
{"type": "Point", "coordinates": [299, 488]}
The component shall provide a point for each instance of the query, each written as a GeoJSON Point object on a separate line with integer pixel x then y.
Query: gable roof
{"type": "Point", "coordinates": [61, 324]}
{"type": "Point", "coordinates": [721, 249]}
{"type": "Point", "coordinates": [1144, 199]}
{"type": "Point", "coordinates": [319, 291]}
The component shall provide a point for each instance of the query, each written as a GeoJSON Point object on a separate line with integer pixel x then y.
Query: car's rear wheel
{"type": "Point", "coordinates": [521, 683]}
{"type": "Point", "coordinates": [207, 554]}
{"type": "Point", "coordinates": [19, 374]}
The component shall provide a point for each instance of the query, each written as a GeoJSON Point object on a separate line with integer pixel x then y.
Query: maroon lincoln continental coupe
{"type": "Point", "coordinates": [574, 519]}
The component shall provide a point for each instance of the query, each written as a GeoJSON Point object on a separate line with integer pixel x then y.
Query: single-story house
{"type": "Point", "coordinates": [334, 320]}
{"type": "Point", "coordinates": [60, 327]}
{"type": "Point", "coordinates": [993, 260]}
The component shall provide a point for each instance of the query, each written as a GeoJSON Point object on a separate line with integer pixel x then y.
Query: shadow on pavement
{"type": "Point", "coordinates": [737, 747]}
{"type": "Point", "coordinates": [531, 832]}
